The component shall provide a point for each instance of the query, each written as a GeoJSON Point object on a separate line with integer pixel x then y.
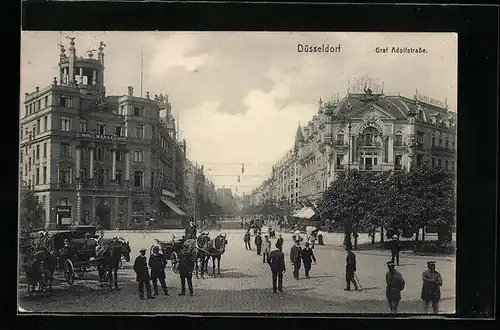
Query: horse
{"type": "Point", "coordinates": [216, 249]}
{"type": "Point", "coordinates": [110, 257]}
{"type": "Point", "coordinates": [197, 248]}
{"type": "Point", "coordinates": [39, 267]}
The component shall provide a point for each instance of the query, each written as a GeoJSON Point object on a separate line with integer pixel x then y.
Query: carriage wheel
{"type": "Point", "coordinates": [69, 272]}
{"type": "Point", "coordinates": [175, 261]}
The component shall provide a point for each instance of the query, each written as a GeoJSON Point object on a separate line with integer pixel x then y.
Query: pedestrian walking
{"type": "Point", "coordinates": [308, 257]}
{"type": "Point", "coordinates": [395, 249]}
{"type": "Point", "coordinates": [350, 270]}
{"type": "Point", "coordinates": [186, 266]}
{"type": "Point", "coordinates": [279, 243]}
{"type": "Point", "coordinates": [320, 238]}
{"type": "Point", "coordinates": [395, 284]}
{"type": "Point", "coordinates": [295, 258]}
{"type": "Point", "coordinates": [431, 283]}
{"type": "Point", "coordinates": [355, 235]}
{"type": "Point", "coordinates": [277, 263]}
{"type": "Point", "coordinates": [246, 239]}
{"type": "Point", "coordinates": [157, 263]}
{"type": "Point", "coordinates": [142, 274]}
{"type": "Point", "coordinates": [266, 248]}
{"type": "Point", "coordinates": [258, 243]}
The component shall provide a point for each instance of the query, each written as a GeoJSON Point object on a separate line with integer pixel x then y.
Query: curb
{"type": "Point", "coordinates": [409, 254]}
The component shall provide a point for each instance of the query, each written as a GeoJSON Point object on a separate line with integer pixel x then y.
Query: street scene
{"type": "Point", "coordinates": [237, 172]}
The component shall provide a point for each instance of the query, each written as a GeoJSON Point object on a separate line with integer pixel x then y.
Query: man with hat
{"type": "Point", "coordinates": [395, 284]}
{"type": "Point", "coordinates": [266, 248]}
{"type": "Point", "coordinates": [142, 273]}
{"type": "Point", "coordinates": [395, 249]}
{"type": "Point", "coordinates": [431, 292]}
{"type": "Point", "coordinates": [277, 262]}
{"type": "Point", "coordinates": [308, 257]}
{"type": "Point", "coordinates": [258, 243]}
{"type": "Point", "coordinates": [350, 269]}
{"type": "Point", "coordinates": [185, 267]}
{"type": "Point", "coordinates": [190, 231]}
{"type": "Point", "coordinates": [295, 258]}
{"type": "Point", "coordinates": [246, 239]}
{"type": "Point", "coordinates": [279, 243]}
{"type": "Point", "coordinates": [157, 263]}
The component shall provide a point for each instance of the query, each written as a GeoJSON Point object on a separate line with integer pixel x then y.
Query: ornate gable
{"type": "Point", "coordinates": [372, 111]}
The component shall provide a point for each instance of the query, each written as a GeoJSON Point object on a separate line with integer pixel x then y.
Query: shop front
{"type": "Point", "coordinates": [171, 216]}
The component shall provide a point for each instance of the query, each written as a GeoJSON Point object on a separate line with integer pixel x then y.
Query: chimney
{"type": "Point", "coordinates": [37, 89]}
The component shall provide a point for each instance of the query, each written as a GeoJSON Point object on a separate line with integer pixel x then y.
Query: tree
{"type": "Point", "coordinates": [31, 211]}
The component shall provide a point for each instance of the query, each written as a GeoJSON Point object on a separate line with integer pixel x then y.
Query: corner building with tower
{"type": "Point", "coordinates": [95, 159]}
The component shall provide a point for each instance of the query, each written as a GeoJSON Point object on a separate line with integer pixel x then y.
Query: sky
{"type": "Point", "coordinates": [239, 96]}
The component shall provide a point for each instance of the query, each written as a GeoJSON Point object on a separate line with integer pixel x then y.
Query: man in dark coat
{"type": "Point", "coordinates": [258, 243]}
{"type": "Point", "coordinates": [395, 249]}
{"type": "Point", "coordinates": [431, 291]}
{"type": "Point", "coordinates": [185, 267]}
{"type": "Point", "coordinates": [350, 269]}
{"type": "Point", "coordinates": [157, 263]}
{"type": "Point", "coordinates": [395, 284]}
{"type": "Point", "coordinates": [295, 258]}
{"type": "Point", "coordinates": [279, 243]}
{"type": "Point", "coordinates": [277, 262]}
{"type": "Point", "coordinates": [191, 230]}
{"type": "Point", "coordinates": [308, 257]}
{"type": "Point", "coordinates": [141, 270]}
{"type": "Point", "coordinates": [246, 239]}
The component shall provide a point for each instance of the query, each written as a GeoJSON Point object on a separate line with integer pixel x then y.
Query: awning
{"type": "Point", "coordinates": [172, 206]}
{"type": "Point", "coordinates": [298, 212]}
{"type": "Point", "coordinates": [306, 213]}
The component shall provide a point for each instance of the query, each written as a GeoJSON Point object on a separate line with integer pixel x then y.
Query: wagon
{"type": "Point", "coordinates": [171, 251]}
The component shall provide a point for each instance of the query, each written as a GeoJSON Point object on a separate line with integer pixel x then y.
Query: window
{"type": "Point", "coordinates": [39, 104]}
{"type": "Point", "coordinates": [420, 137]}
{"type": "Point", "coordinates": [29, 164]}
{"type": "Point", "coordinates": [25, 169]}
{"type": "Point", "coordinates": [46, 102]}
{"type": "Point", "coordinates": [64, 175]}
{"type": "Point", "coordinates": [45, 123]}
{"type": "Point", "coordinates": [83, 175]}
{"type": "Point", "coordinates": [38, 126]}
{"type": "Point", "coordinates": [340, 139]}
{"type": "Point", "coordinates": [100, 177]}
{"type": "Point", "coordinates": [83, 125]}
{"type": "Point", "coordinates": [138, 179]}
{"type": "Point", "coordinates": [118, 130]}
{"type": "Point", "coordinates": [21, 159]}
{"type": "Point", "coordinates": [138, 156]}
{"type": "Point", "coordinates": [439, 162]}
{"type": "Point", "coordinates": [45, 150]}
{"type": "Point", "coordinates": [44, 174]}
{"type": "Point", "coordinates": [452, 166]}
{"type": "Point", "coordinates": [100, 153]}
{"type": "Point", "coordinates": [433, 161]}
{"type": "Point", "coordinates": [446, 164]}
{"type": "Point", "coordinates": [119, 176]}
{"type": "Point", "coordinates": [139, 131]}
{"type": "Point", "coordinates": [440, 142]}
{"type": "Point", "coordinates": [118, 156]}
{"type": "Point", "coordinates": [26, 109]}
{"type": "Point", "coordinates": [37, 151]}
{"type": "Point", "coordinates": [340, 160]}
{"type": "Point", "coordinates": [152, 178]}
{"type": "Point", "coordinates": [137, 111]}
{"type": "Point", "coordinates": [37, 175]}
{"type": "Point", "coordinates": [433, 142]}
{"type": "Point", "coordinates": [397, 162]}
{"type": "Point", "coordinates": [101, 128]}
{"type": "Point", "coordinates": [446, 144]}
{"type": "Point", "coordinates": [453, 145]}
{"type": "Point", "coordinates": [65, 150]}
{"type": "Point", "coordinates": [152, 133]}
{"type": "Point", "coordinates": [33, 132]}
{"type": "Point", "coordinates": [66, 101]}
{"type": "Point", "coordinates": [65, 123]}
{"type": "Point", "coordinates": [122, 110]}
{"type": "Point", "coordinates": [22, 133]}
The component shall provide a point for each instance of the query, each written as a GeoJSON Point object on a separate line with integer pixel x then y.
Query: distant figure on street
{"type": "Point", "coordinates": [246, 239]}
{"type": "Point", "coordinates": [258, 243]}
{"type": "Point", "coordinates": [308, 257]}
{"type": "Point", "coordinates": [277, 262]}
{"type": "Point", "coordinates": [295, 258]}
{"type": "Point", "coordinates": [431, 283]}
{"type": "Point", "coordinates": [320, 238]}
{"type": "Point", "coordinates": [350, 269]}
{"type": "Point", "coordinates": [266, 248]}
{"type": "Point", "coordinates": [296, 235]}
{"type": "Point", "coordinates": [279, 243]}
{"type": "Point", "coordinates": [190, 231]}
{"type": "Point", "coordinates": [142, 273]}
{"type": "Point", "coordinates": [395, 249]}
{"type": "Point", "coordinates": [186, 266]}
{"type": "Point", "coordinates": [395, 284]}
{"type": "Point", "coordinates": [157, 263]}
{"type": "Point", "coordinates": [355, 235]}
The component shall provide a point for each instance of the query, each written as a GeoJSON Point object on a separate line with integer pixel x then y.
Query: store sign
{"type": "Point", "coordinates": [430, 100]}
{"type": "Point", "coordinates": [64, 214]}
{"type": "Point", "coordinates": [141, 194]}
{"type": "Point", "coordinates": [167, 193]}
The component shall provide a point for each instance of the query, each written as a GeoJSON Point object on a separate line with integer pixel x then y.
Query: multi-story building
{"type": "Point", "coordinates": [370, 131]}
{"type": "Point", "coordinates": [189, 192]}
{"type": "Point", "coordinates": [286, 177]}
{"type": "Point", "coordinates": [93, 158]}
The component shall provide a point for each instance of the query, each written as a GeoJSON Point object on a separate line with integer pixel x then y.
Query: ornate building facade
{"type": "Point", "coordinates": [369, 131]}
{"type": "Point", "coordinates": [92, 158]}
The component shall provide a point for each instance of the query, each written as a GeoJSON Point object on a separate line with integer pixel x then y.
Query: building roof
{"type": "Point", "coordinates": [299, 137]}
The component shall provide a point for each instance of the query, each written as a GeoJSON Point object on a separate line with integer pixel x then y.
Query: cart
{"type": "Point", "coordinates": [171, 250]}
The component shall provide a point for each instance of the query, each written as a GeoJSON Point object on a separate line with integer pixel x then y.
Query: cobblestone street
{"type": "Point", "coordinates": [245, 284]}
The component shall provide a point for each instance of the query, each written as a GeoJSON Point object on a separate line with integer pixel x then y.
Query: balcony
{"type": "Point", "coordinates": [340, 145]}
{"type": "Point", "coordinates": [102, 137]}
{"type": "Point", "coordinates": [370, 144]}
{"type": "Point", "coordinates": [443, 149]}
{"type": "Point", "coordinates": [367, 167]}
{"type": "Point", "coordinates": [399, 168]}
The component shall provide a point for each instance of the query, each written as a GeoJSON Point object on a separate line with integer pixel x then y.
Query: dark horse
{"type": "Point", "coordinates": [202, 255]}
{"type": "Point", "coordinates": [39, 266]}
{"type": "Point", "coordinates": [109, 259]}
{"type": "Point", "coordinates": [216, 249]}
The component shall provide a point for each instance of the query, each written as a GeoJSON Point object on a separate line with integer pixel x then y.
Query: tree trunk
{"type": "Point", "coordinates": [381, 234]}
{"type": "Point", "coordinates": [417, 234]}
{"type": "Point", "coordinates": [423, 233]}
{"type": "Point", "coordinates": [373, 235]}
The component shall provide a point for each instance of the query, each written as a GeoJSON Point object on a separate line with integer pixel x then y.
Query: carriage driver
{"type": "Point", "coordinates": [66, 252]}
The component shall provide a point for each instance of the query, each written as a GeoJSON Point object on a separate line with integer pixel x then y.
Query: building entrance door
{"type": "Point", "coordinates": [103, 214]}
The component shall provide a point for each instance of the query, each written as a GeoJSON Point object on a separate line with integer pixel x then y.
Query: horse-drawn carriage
{"type": "Point", "coordinates": [171, 250]}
